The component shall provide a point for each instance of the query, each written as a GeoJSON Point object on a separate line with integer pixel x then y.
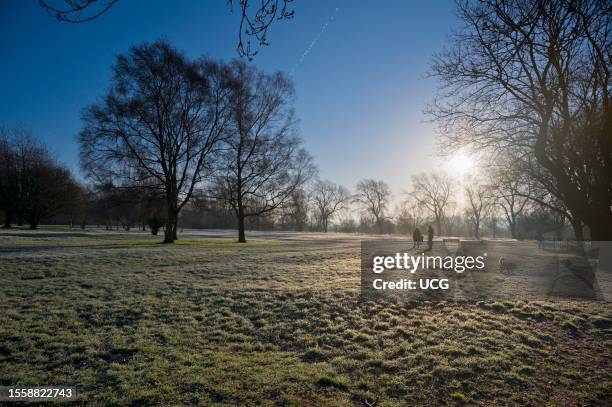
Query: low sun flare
{"type": "Point", "coordinates": [460, 164]}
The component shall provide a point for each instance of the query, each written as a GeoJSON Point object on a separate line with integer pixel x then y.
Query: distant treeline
{"type": "Point", "coordinates": [35, 189]}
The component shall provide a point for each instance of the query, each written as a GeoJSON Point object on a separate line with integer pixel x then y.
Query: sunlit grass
{"type": "Point", "coordinates": [130, 321]}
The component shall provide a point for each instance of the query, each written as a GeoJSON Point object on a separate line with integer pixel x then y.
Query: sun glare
{"type": "Point", "coordinates": [460, 164]}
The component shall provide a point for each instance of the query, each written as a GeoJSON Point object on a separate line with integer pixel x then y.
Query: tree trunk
{"type": "Point", "coordinates": [598, 218]}
{"type": "Point", "coordinates": [170, 229]}
{"type": "Point", "coordinates": [241, 234]}
{"type": "Point", "coordinates": [513, 229]}
{"type": "Point", "coordinates": [8, 215]}
{"type": "Point", "coordinates": [601, 230]}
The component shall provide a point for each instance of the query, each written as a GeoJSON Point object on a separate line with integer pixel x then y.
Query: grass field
{"type": "Point", "coordinates": [278, 321]}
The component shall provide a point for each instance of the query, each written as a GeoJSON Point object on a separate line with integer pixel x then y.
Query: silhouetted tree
{"type": "Point", "coordinates": [126, 206]}
{"type": "Point", "coordinates": [76, 11]}
{"type": "Point", "coordinates": [256, 17]}
{"type": "Point", "coordinates": [205, 210]}
{"type": "Point", "coordinates": [539, 184]}
{"type": "Point", "coordinates": [409, 216]}
{"type": "Point", "coordinates": [256, 20]}
{"type": "Point", "coordinates": [433, 192]}
{"type": "Point", "coordinates": [50, 190]}
{"type": "Point", "coordinates": [294, 213]}
{"type": "Point", "coordinates": [152, 209]}
{"type": "Point", "coordinates": [542, 223]}
{"type": "Point", "coordinates": [9, 178]}
{"type": "Point", "coordinates": [510, 191]}
{"type": "Point", "coordinates": [79, 207]}
{"type": "Point", "coordinates": [328, 199]}
{"type": "Point", "coordinates": [32, 184]}
{"type": "Point", "coordinates": [478, 203]}
{"type": "Point", "coordinates": [264, 161]}
{"type": "Point", "coordinates": [533, 78]}
{"type": "Point", "coordinates": [159, 126]}
{"type": "Point", "coordinates": [374, 198]}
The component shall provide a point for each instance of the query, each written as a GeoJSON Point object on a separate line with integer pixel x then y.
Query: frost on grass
{"type": "Point", "coordinates": [279, 321]}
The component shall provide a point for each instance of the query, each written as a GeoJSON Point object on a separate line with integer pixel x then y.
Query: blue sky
{"type": "Point", "coordinates": [360, 90]}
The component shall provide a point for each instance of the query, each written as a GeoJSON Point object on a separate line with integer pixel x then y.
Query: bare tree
{"type": "Point", "coordinates": [433, 191]}
{"type": "Point", "coordinates": [33, 185]}
{"type": "Point", "coordinates": [264, 162]}
{"type": "Point", "coordinates": [294, 213]}
{"type": "Point", "coordinates": [256, 17]}
{"type": "Point", "coordinates": [328, 199]}
{"type": "Point", "coordinates": [374, 198]}
{"type": "Point", "coordinates": [542, 223]}
{"type": "Point", "coordinates": [478, 204]}
{"type": "Point", "coordinates": [255, 22]}
{"type": "Point", "coordinates": [9, 178]}
{"type": "Point", "coordinates": [510, 191]}
{"type": "Point", "coordinates": [409, 216]}
{"type": "Point", "coordinates": [346, 222]}
{"type": "Point", "coordinates": [534, 78]}
{"type": "Point", "coordinates": [76, 11]}
{"type": "Point", "coordinates": [159, 126]}
{"type": "Point", "coordinates": [541, 187]}
{"type": "Point", "coordinates": [50, 189]}
{"type": "Point", "coordinates": [453, 221]}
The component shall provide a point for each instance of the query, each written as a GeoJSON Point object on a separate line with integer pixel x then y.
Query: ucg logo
{"type": "Point", "coordinates": [433, 283]}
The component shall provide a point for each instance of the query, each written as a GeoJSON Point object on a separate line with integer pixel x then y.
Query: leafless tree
{"type": "Point", "coordinates": [256, 17]}
{"type": "Point", "coordinates": [50, 189]}
{"type": "Point", "coordinates": [478, 204]}
{"type": "Point", "coordinates": [33, 185]}
{"type": "Point", "coordinates": [294, 213]}
{"type": "Point", "coordinates": [328, 198]}
{"type": "Point", "coordinates": [256, 20]}
{"type": "Point", "coordinates": [433, 191]}
{"type": "Point", "coordinates": [541, 187]}
{"type": "Point", "coordinates": [22, 156]}
{"type": "Point", "coordinates": [76, 11]}
{"type": "Point", "coordinates": [264, 162]}
{"type": "Point", "coordinates": [346, 223]}
{"type": "Point", "coordinates": [409, 216]}
{"type": "Point", "coordinates": [374, 198]}
{"type": "Point", "coordinates": [454, 222]}
{"type": "Point", "coordinates": [159, 126]}
{"type": "Point", "coordinates": [9, 178]}
{"type": "Point", "coordinates": [511, 192]}
{"type": "Point", "coordinates": [534, 77]}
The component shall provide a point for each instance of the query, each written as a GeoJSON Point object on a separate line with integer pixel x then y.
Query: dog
{"type": "Point", "coordinates": [503, 267]}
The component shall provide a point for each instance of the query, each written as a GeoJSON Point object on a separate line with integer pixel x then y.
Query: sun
{"type": "Point", "coordinates": [460, 164]}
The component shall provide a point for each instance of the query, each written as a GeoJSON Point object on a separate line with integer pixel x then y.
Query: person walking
{"type": "Point", "coordinates": [430, 236]}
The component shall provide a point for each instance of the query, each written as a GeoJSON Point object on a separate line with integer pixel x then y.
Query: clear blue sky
{"type": "Point", "coordinates": [360, 90]}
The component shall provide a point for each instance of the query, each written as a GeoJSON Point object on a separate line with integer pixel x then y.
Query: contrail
{"type": "Point", "coordinates": [314, 41]}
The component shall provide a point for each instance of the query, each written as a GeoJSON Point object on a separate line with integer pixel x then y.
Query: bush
{"type": "Point", "coordinates": [155, 222]}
